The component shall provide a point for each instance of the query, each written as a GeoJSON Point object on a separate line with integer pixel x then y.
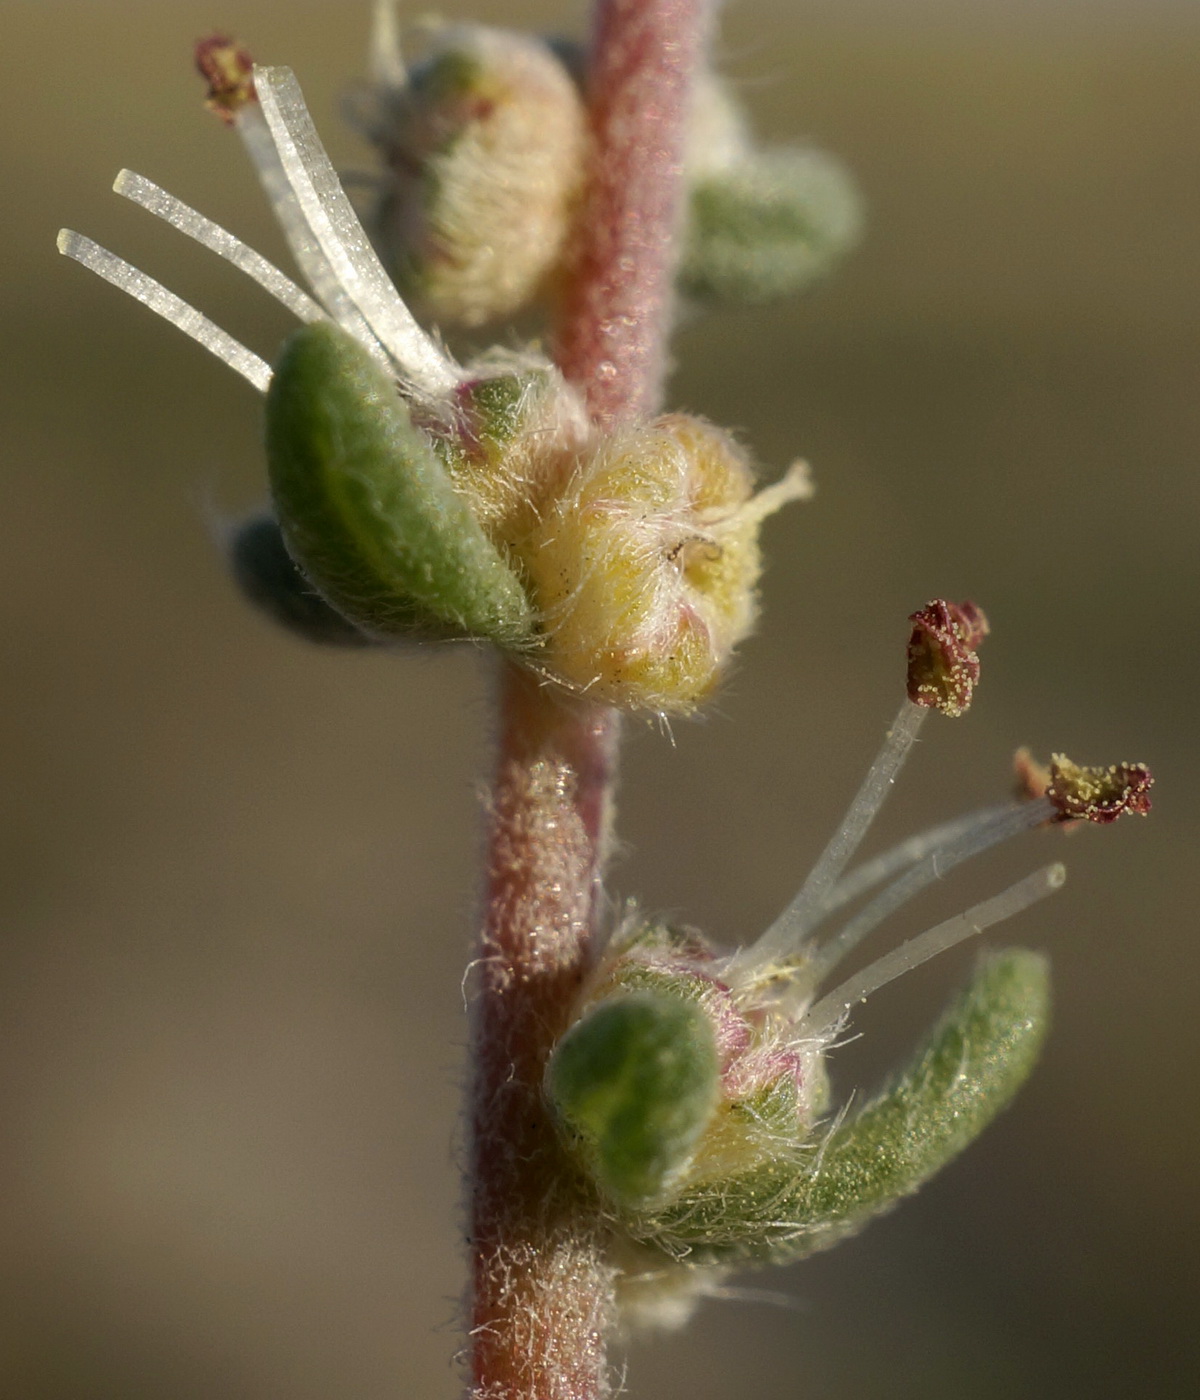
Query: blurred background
{"type": "Point", "coordinates": [237, 875]}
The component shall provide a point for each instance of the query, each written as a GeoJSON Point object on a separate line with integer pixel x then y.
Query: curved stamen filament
{"type": "Point", "coordinates": [863, 878]}
{"type": "Point", "coordinates": [822, 1020]}
{"type": "Point", "coordinates": [336, 228]}
{"type": "Point", "coordinates": [988, 831]}
{"type": "Point", "coordinates": [167, 305]}
{"type": "Point", "coordinates": [259, 146]}
{"type": "Point", "coordinates": [211, 235]}
{"type": "Point", "coordinates": [786, 935]}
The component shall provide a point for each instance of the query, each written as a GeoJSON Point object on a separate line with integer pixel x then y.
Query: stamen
{"type": "Point", "coordinates": [989, 831]}
{"type": "Point", "coordinates": [882, 867]}
{"type": "Point", "coordinates": [167, 305]}
{"type": "Point", "coordinates": [796, 484]}
{"type": "Point", "coordinates": [259, 145]}
{"type": "Point", "coordinates": [943, 665]}
{"type": "Point", "coordinates": [785, 936]}
{"type": "Point", "coordinates": [823, 1018]}
{"type": "Point", "coordinates": [228, 70]}
{"type": "Point", "coordinates": [1101, 795]}
{"type": "Point", "coordinates": [334, 224]}
{"type": "Point", "coordinates": [385, 61]}
{"type": "Point", "coordinates": [211, 235]}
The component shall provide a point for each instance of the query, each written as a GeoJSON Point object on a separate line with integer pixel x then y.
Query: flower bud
{"type": "Point", "coordinates": [485, 147]}
{"type": "Point", "coordinates": [759, 1088]}
{"type": "Point", "coordinates": [366, 507]}
{"type": "Point", "coordinates": [644, 569]}
{"type": "Point", "coordinates": [515, 430]}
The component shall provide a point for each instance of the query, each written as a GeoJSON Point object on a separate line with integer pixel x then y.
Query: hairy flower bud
{"type": "Point", "coordinates": [644, 569]}
{"type": "Point", "coordinates": [768, 225]}
{"type": "Point", "coordinates": [484, 144]}
{"type": "Point", "coordinates": [510, 441]}
{"type": "Point", "coordinates": [732, 1086]}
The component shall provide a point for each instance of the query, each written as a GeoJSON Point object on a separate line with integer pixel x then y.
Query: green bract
{"type": "Point", "coordinates": [768, 226]}
{"type": "Point", "coordinates": [269, 578]}
{"type": "Point", "coordinates": [635, 1081]}
{"type": "Point", "coordinates": [814, 1193]}
{"type": "Point", "coordinates": [366, 507]}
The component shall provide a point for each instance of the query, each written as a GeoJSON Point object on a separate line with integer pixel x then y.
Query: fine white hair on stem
{"type": "Point", "coordinates": [824, 1016]}
{"type": "Point", "coordinates": [167, 305]}
{"type": "Point", "coordinates": [786, 935]}
{"type": "Point", "coordinates": [204, 231]}
{"type": "Point", "coordinates": [988, 831]}
{"type": "Point", "coordinates": [863, 878]}
{"type": "Point", "coordinates": [336, 228]}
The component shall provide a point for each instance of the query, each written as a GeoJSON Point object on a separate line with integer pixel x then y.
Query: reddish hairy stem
{"type": "Point", "coordinates": [542, 1288]}
{"type": "Point", "coordinates": [615, 316]}
{"type": "Point", "coordinates": [542, 1293]}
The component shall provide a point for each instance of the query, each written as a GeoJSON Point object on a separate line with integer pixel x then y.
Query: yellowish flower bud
{"type": "Point", "coordinates": [644, 570]}
{"type": "Point", "coordinates": [485, 144]}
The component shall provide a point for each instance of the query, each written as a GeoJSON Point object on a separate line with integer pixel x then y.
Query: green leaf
{"type": "Point", "coordinates": [366, 506]}
{"type": "Point", "coordinates": [965, 1072]}
{"type": "Point", "coordinates": [768, 226]}
{"type": "Point", "coordinates": [269, 578]}
{"type": "Point", "coordinates": [635, 1081]}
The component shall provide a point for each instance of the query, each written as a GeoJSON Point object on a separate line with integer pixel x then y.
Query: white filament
{"type": "Point", "coordinates": [167, 305]}
{"type": "Point", "coordinates": [340, 237]}
{"type": "Point", "coordinates": [882, 867]}
{"type": "Point", "coordinates": [211, 235]}
{"type": "Point", "coordinates": [988, 832]}
{"type": "Point", "coordinates": [259, 145]}
{"type": "Point", "coordinates": [385, 61]}
{"type": "Point", "coordinates": [824, 1017]}
{"type": "Point", "coordinates": [796, 484]}
{"type": "Point", "coordinates": [786, 935]}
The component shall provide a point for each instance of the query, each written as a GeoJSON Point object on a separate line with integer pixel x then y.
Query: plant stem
{"type": "Point", "coordinates": [542, 1291]}
{"type": "Point", "coordinates": [542, 1288]}
{"type": "Point", "coordinates": [615, 316]}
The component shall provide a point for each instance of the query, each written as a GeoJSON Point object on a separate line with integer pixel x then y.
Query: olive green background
{"type": "Point", "coordinates": [237, 876]}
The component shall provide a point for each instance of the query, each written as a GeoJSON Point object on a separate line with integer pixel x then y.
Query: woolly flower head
{"type": "Point", "coordinates": [415, 496]}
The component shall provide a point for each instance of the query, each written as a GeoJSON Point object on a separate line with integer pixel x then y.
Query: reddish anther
{"type": "Point", "coordinates": [1098, 794]}
{"type": "Point", "coordinates": [943, 668]}
{"type": "Point", "coordinates": [228, 70]}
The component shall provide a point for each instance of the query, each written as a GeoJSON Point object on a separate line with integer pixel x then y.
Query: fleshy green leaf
{"type": "Point", "coordinates": [635, 1081]}
{"type": "Point", "coordinates": [768, 226]}
{"type": "Point", "coordinates": [967, 1070]}
{"type": "Point", "coordinates": [366, 506]}
{"type": "Point", "coordinates": [269, 578]}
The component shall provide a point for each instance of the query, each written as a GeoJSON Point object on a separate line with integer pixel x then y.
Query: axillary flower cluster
{"type": "Point", "coordinates": [692, 1086]}
{"type": "Point", "coordinates": [415, 497]}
